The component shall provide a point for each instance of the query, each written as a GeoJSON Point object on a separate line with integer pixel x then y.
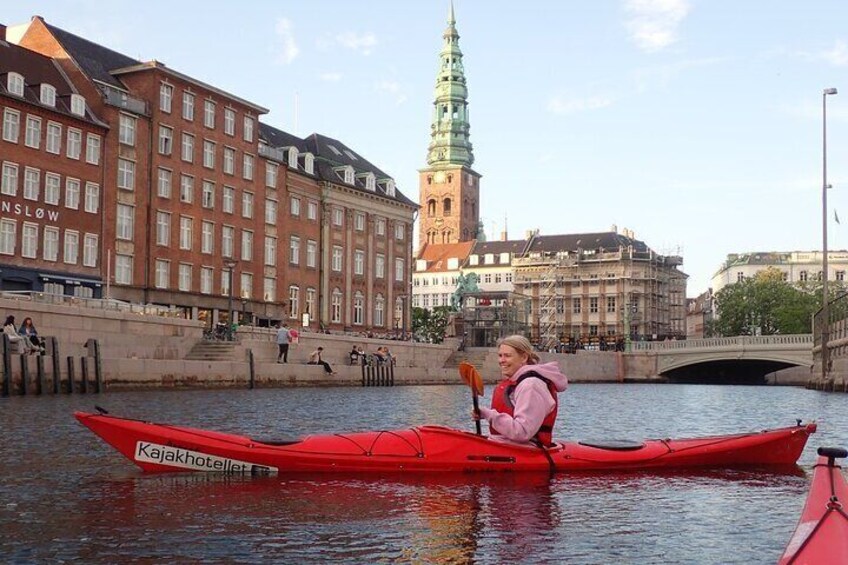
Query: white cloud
{"type": "Point", "coordinates": [364, 43]}
{"type": "Point", "coordinates": [563, 104]}
{"type": "Point", "coordinates": [653, 24]}
{"type": "Point", "coordinates": [330, 77]}
{"type": "Point", "coordinates": [288, 49]}
{"type": "Point", "coordinates": [393, 89]}
{"type": "Point", "coordinates": [838, 56]}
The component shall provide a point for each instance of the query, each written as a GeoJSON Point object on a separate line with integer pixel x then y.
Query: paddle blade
{"type": "Point", "coordinates": [471, 377]}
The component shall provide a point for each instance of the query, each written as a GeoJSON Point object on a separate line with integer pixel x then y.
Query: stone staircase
{"type": "Point", "coordinates": [213, 351]}
{"type": "Point", "coordinates": [474, 355]}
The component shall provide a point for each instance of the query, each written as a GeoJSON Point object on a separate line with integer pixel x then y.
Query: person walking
{"type": "Point", "coordinates": [283, 340]}
{"type": "Point", "coordinates": [315, 359]}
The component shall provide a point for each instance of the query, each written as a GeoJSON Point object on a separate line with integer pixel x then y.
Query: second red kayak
{"type": "Point", "coordinates": [821, 537]}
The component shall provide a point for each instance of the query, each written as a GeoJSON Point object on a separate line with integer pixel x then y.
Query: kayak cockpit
{"type": "Point", "coordinates": [614, 444]}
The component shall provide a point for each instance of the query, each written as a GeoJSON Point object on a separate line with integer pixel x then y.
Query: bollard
{"type": "Point", "coordinates": [53, 348]}
{"type": "Point", "coordinates": [391, 375]}
{"type": "Point", "coordinates": [7, 366]}
{"type": "Point", "coordinates": [93, 348]}
{"type": "Point", "coordinates": [39, 374]}
{"type": "Point", "coordinates": [24, 374]}
{"type": "Point", "coordinates": [363, 374]}
{"type": "Point", "coordinates": [84, 375]}
{"type": "Point", "coordinates": [70, 375]}
{"type": "Point", "coordinates": [252, 383]}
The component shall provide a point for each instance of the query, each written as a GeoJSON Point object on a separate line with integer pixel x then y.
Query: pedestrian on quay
{"type": "Point", "coordinates": [283, 341]}
{"type": "Point", "coordinates": [524, 404]}
{"type": "Point", "coordinates": [315, 359]}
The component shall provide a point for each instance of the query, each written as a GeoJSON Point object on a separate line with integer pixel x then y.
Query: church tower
{"type": "Point", "coordinates": [449, 188]}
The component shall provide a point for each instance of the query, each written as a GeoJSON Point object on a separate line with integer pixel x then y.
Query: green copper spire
{"type": "Point", "coordinates": [449, 143]}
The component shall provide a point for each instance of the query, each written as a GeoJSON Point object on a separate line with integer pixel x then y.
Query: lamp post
{"type": "Point", "coordinates": [825, 313]}
{"type": "Point", "coordinates": [230, 264]}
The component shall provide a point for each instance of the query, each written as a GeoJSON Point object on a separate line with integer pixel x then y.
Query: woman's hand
{"type": "Point", "coordinates": [475, 414]}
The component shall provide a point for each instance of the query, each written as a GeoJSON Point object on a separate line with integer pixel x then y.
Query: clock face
{"type": "Point", "coordinates": [439, 176]}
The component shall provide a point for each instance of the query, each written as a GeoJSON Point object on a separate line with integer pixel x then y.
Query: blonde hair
{"type": "Point", "coordinates": [522, 345]}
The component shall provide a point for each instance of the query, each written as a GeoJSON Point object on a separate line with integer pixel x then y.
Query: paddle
{"type": "Point", "coordinates": [472, 378]}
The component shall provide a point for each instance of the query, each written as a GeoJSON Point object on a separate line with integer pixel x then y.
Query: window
{"type": "Point", "coordinates": [77, 105]}
{"type": "Point", "coordinates": [186, 232]}
{"type": "Point", "coordinates": [52, 188]}
{"type": "Point", "coordinates": [72, 193]}
{"type": "Point", "coordinates": [399, 269]}
{"type": "Point", "coordinates": [164, 183]}
{"type": "Point", "coordinates": [802, 276]}
{"type": "Point", "coordinates": [185, 277]}
{"type": "Point", "coordinates": [166, 95]}
{"type": "Point", "coordinates": [294, 205]}
{"type": "Point", "coordinates": [11, 125]}
{"type": "Point", "coordinates": [32, 182]}
{"type": "Point", "coordinates": [292, 157]}
{"type": "Point", "coordinates": [593, 305]}
{"type": "Point", "coordinates": [48, 95]}
{"type": "Point", "coordinates": [294, 250]}
{"type": "Point", "coordinates": [309, 163]}
{"type": "Point", "coordinates": [576, 306]}
{"type": "Point", "coordinates": [123, 269]}
{"type": "Point", "coordinates": [337, 259]}
{"type": "Point", "coordinates": [188, 106]}
{"type": "Point", "coordinates": [15, 84]}
{"type": "Point", "coordinates": [228, 236]}
{"type": "Point", "coordinates": [359, 262]}
{"type": "Point", "coordinates": [126, 174]}
{"type": "Point", "coordinates": [90, 250]}
{"type": "Point", "coordinates": [208, 154]}
{"type": "Point", "coordinates": [54, 138]}
{"type": "Point", "coordinates": [33, 132]}
{"type": "Point", "coordinates": [379, 311]}
{"type": "Point", "coordinates": [8, 231]}
{"type": "Point", "coordinates": [380, 226]}
{"type": "Point", "coordinates": [294, 301]}
{"type": "Point", "coordinates": [337, 216]}
{"type": "Point", "coordinates": [92, 149]}
{"type": "Point", "coordinates": [311, 210]}
{"type": "Point", "coordinates": [740, 276]}
{"type": "Point", "coordinates": [311, 253]}
{"type": "Point", "coordinates": [310, 302]}
{"type": "Point", "coordinates": [186, 189]}
{"type": "Point", "coordinates": [400, 229]}
{"type": "Point", "coordinates": [380, 266]}
{"type": "Point", "coordinates": [248, 128]}
{"type": "Point", "coordinates": [840, 275]}
{"type": "Point", "coordinates": [71, 247]}
{"type": "Point", "coordinates": [208, 195]}
{"type": "Point", "coordinates": [9, 183]}
{"type": "Point", "coordinates": [270, 211]}
{"type": "Point", "coordinates": [166, 140]}
{"type": "Point", "coordinates": [209, 114]}
{"type": "Point", "coordinates": [29, 241]}
{"type": "Point", "coordinates": [270, 251]}
{"type": "Point", "coordinates": [271, 170]}
{"type": "Point", "coordinates": [358, 307]}
{"type": "Point", "coordinates": [611, 304]}
{"type": "Point", "coordinates": [246, 285]}
{"type": "Point", "coordinates": [246, 245]}
{"type": "Point", "coordinates": [247, 171]}
{"type": "Point", "coordinates": [206, 277]}
{"type": "Point", "coordinates": [359, 221]}
{"type": "Point", "coordinates": [187, 154]}
{"type": "Point", "coordinates": [270, 289]}
{"type": "Point", "coordinates": [125, 222]}
{"type": "Point", "coordinates": [247, 204]}
{"type": "Point", "coordinates": [126, 130]}
{"type": "Point", "coordinates": [207, 237]}
{"type": "Point", "coordinates": [336, 306]}
{"type": "Point", "coordinates": [163, 273]}
{"type": "Point", "coordinates": [229, 160]}
{"type": "Point", "coordinates": [229, 199]}
{"type": "Point", "coordinates": [74, 148]}
{"type": "Point", "coordinates": [50, 250]}
{"type": "Point", "coordinates": [225, 281]}
{"type": "Point", "coordinates": [163, 228]}
{"type": "Point", "coordinates": [229, 121]}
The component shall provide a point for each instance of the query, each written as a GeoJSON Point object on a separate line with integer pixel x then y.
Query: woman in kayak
{"type": "Point", "coordinates": [524, 404]}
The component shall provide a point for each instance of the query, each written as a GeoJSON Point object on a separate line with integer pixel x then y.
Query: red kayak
{"type": "Point", "coordinates": [429, 449]}
{"type": "Point", "coordinates": [821, 536]}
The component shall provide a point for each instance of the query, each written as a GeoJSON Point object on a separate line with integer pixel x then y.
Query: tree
{"type": "Point", "coordinates": [764, 305]}
{"type": "Point", "coordinates": [430, 326]}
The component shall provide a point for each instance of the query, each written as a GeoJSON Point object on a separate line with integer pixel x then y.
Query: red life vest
{"type": "Point", "coordinates": [502, 403]}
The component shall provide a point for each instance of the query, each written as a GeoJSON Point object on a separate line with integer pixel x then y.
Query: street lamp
{"type": "Point", "coordinates": [825, 314]}
{"type": "Point", "coordinates": [230, 264]}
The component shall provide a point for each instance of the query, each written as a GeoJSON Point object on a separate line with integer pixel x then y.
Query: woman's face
{"type": "Point", "coordinates": [510, 360]}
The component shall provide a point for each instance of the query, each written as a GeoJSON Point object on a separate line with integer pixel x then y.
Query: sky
{"type": "Point", "coordinates": [698, 124]}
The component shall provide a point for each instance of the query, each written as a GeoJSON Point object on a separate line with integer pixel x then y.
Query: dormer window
{"type": "Point", "coordinates": [309, 163]}
{"type": "Point", "coordinates": [489, 258]}
{"type": "Point", "coordinates": [388, 186]}
{"type": "Point", "coordinates": [504, 258]}
{"type": "Point", "coordinates": [473, 259]}
{"type": "Point", "coordinates": [293, 157]}
{"type": "Point", "coordinates": [15, 84]}
{"type": "Point", "coordinates": [77, 105]}
{"type": "Point", "coordinates": [345, 173]}
{"type": "Point", "coordinates": [369, 180]}
{"type": "Point", "coordinates": [48, 95]}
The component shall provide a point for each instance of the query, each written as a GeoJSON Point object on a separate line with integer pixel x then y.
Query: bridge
{"type": "Point", "coordinates": [736, 359]}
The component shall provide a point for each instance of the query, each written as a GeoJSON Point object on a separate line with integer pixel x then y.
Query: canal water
{"type": "Point", "coordinates": [66, 496]}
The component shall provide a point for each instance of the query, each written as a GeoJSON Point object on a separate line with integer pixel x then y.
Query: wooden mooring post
{"type": "Point", "coordinates": [378, 375]}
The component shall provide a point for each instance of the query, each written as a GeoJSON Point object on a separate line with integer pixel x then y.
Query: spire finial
{"type": "Point", "coordinates": [451, 18]}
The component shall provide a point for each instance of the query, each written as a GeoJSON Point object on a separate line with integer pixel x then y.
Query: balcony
{"type": "Point", "coordinates": [124, 101]}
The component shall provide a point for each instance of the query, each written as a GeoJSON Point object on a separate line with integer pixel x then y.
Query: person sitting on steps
{"type": "Point", "coordinates": [11, 331]}
{"type": "Point", "coordinates": [28, 331]}
{"type": "Point", "coordinates": [315, 359]}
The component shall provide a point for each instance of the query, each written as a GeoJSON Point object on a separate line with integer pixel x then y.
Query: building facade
{"type": "Point", "coordinates": [798, 267]}
{"type": "Point", "coordinates": [214, 214]}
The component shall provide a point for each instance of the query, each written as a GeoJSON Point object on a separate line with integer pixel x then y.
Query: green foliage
{"type": "Point", "coordinates": [430, 326]}
{"type": "Point", "coordinates": [765, 304]}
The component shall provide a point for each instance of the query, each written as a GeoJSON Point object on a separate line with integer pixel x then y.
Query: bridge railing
{"type": "Point", "coordinates": [717, 342]}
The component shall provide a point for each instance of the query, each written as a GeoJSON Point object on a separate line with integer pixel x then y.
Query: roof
{"type": "Point", "coordinates": [513, 247]}
{"type": "Point", "coordinates": [437, 255]}
{"type": "Point", "coordinates": [279, 138]}
{"type": "Point", "coordinates": [603, 241]}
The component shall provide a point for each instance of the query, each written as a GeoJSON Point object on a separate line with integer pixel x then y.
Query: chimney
{"type": "Point", "coordinates": [2, 32]}
{"type": "Point", "coordinates": [503, 233]}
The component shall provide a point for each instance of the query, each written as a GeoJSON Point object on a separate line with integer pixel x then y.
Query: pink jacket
{"type": "Point", "coordinates": [532, 402]}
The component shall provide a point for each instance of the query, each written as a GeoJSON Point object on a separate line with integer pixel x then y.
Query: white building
{"type": "Point", "coordinates": [796, 266]}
